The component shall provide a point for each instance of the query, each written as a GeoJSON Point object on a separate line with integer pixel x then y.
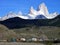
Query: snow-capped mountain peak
{"type": "Point", "coordinates": [42, 11]}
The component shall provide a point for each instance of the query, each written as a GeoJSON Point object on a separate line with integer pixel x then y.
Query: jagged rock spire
{"type": "Point", "coordinates": [43, 8]}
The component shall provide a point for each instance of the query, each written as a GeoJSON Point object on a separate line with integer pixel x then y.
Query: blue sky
{"type": "Point", "coordinates": [24, 5]}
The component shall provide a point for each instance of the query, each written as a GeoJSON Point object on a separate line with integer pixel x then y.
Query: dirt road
{"type": "Point", "coordinates": [20, 43]}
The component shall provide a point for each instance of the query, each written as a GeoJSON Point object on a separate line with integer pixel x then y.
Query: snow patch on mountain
{"type": "Point", "coordinates": [12, 15]}
{"type": "Point", "coordinates": [21, 15]}
{"type": "Point", "coordinates": [9, 15]}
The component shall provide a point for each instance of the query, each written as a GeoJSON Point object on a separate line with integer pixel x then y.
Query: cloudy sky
{"type": "Point", "coordinates": [24, 5]}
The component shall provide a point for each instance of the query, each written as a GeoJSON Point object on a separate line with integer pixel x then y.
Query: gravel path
{"type": "Point", "coordinates": [19, 43]}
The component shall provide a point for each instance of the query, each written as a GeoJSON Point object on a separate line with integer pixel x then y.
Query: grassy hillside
{"type": "Point", "coordinates": [28, 32]}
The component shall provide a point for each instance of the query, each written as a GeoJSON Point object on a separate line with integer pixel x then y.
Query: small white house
{"type": "Point", "coordinates": [34, 39]}
{"type": "Point", "coordinates": [22, 39]}
{"type": "Point", "coordinates": [40, 40]}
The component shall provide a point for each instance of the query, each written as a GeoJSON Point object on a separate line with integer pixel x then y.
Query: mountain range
{"type": "Point", "coordinates": [41, 13]}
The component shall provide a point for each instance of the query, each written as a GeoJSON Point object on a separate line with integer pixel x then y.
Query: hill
{"type": "Point", "coordinates": [45, 32]}
{"type": "Point", "coordinates": [20, 23]}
